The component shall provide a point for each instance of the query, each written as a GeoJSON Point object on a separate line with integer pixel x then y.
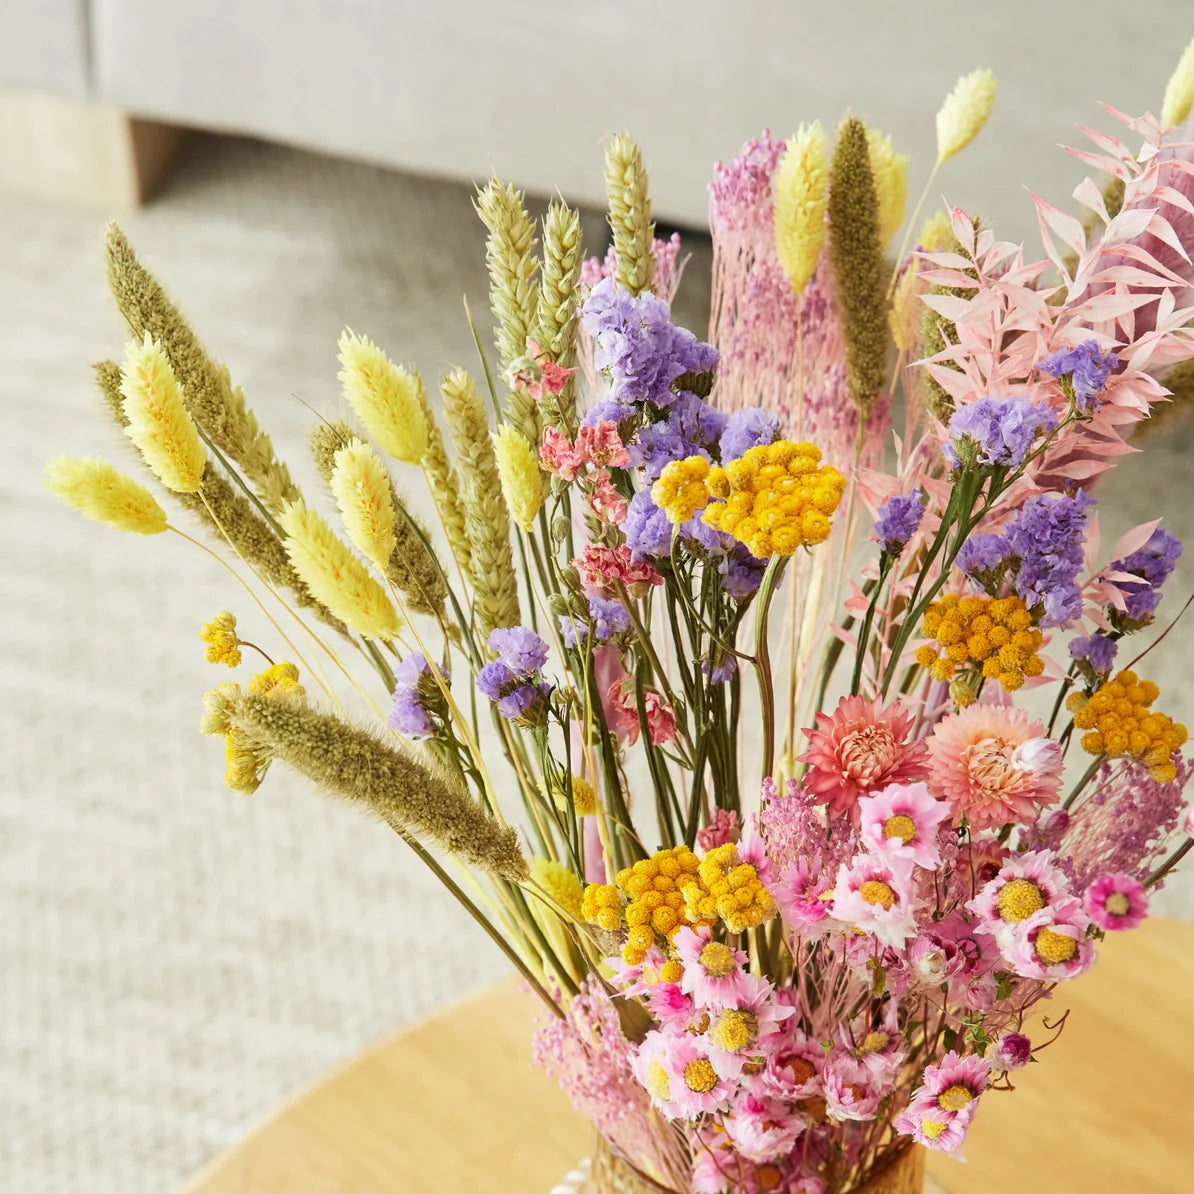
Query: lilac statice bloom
{"type": "Point", "coordinates": [898, 520]}
{"type": "Point", "coordinates": [1154, 564]}
{"type": "Point", "coordinates": [607, 617]}
{"type": "Point", "coordinates": [1087, 368]}
{"type": "Point", "coordinates": [690, 427]}
{"type": "Point", "coordinates": [996, 431]}
{"type": "Point", "coordinates": [748, 428]}
{"type": "Point", "coordinates": [1046, 536]}
{"type": "Point", "coordinates": [647, 529]}
{"type": "Point", "coordinates": [416, 696]}
{"type": "Point", "coordinates": [741, 572]}
{"type": "Point", "coordinates": [608, 411]}
{"type": "Point", "coordinates": [721, 672]}
{"type": "Point", "coordinates": [520, 649]}
{"type": "Point", "coordinates": [1096, 651]}
{"type": "Point", "coordinates": [512, 680]}
{"type": "Point", "coordinates": [982, 558]}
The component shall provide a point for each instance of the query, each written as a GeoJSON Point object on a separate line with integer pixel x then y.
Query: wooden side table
{"type": "Point", "coordinates": [454, 1105]}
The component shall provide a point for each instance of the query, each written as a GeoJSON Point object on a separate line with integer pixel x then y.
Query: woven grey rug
{"type": "Point", "coordinates": [177, 960]}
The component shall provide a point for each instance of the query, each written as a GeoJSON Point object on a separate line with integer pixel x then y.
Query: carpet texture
{"type": "Point", "coordinates": [176, 960]}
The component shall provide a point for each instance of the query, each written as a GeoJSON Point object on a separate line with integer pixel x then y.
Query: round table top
{"type": "Point", "coordinates": [455, 1104]}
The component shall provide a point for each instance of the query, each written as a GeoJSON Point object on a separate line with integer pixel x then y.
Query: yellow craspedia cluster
{"type": "Point", "coordinates": [560, 883]}
{"type": "Point", "coordinates": [1119, 722]}
{"type": "Point", "coordinates": [774, 499]}
{"type": "Point", "coordinates": [732, 892]}
{"type": "Point", "coordinates": [220, 636]}
{"type": "Point", "coordinates": [992, 637]}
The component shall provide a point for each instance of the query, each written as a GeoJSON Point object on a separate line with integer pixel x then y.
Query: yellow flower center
{"type": "Point", "coordinates": [657, 1082]}
{"type": "Point", "coordinates": [735, 1030]}
{"type": "Point", "coordinates": [1019, 899]}
{"type": "Point", "coordinates": [1118, 904]}
{"type": "Point", "coordinates": [954, 1098]}
{"type": "Point", "coordinates": [717, 959]}
{"type": "Point", "coordinates": [699, 1076]}
{"type": "Point", "coordinates": [900, 826]}
{"type": "Point", "coordinates": [1054, 948]}
{"type": "Point", "coordinates": [874, 891]}
{"type": "Point", "coordinates": [874, 1042]}
{"type": "Point", "coordinates": [932, 1128]}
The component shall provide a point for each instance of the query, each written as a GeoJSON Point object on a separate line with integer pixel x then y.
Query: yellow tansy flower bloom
{"type": "Point", "coordinates": [220, 636]}
{"type": "Point", "coordinates": [981, 637]}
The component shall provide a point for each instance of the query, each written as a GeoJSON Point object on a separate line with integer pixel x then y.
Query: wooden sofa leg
{"type": "Point", "coordinates": [72, 152]}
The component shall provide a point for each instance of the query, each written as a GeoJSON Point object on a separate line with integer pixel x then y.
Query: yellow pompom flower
{"type": "Point", "coordinates": [602, 906]}
{"type": "Point", "coordinates": [334, 575]}
{"type": "Point", "coordinates": [890, 173]}
{"type": "Point", "coordinates": [361, 487]}
{"type": "Point", "coordinates": [1120, 723]}
{"type": "Point", "coordinates": [800, 194]}
{"type": "Point", "coordinates": [100, 492]}
{"type": "Point", "coordinates": [741, 900]}
{"type": "Point", "coordinates": [680, 490]}
{"type": "Point", "coordinates": [158, 421]}
{"type": "Point", "coordinates": [384, 396]}
{"type": "Point", "coordinates": [1179, 91]}
{"type": "Point", "coordinates": [980, 637]}
{"type": "Point", "coordinates": [520, 475]}
{"type": "Point", "coordinates": [560, 884]}
{"type": "Point", "coordinates": [964, 113]}
{"type": "Point", "coordinates": [220, 636]}
{"type": "Point", "coordinates": [278, 680]}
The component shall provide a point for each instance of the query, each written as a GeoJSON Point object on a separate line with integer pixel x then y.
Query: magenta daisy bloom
{"type": "Point", "coordinates": [679, 1077]}
{"type": "Point", "coordinates": [927, 1124]}
{"type": "Point", "coordinates": [1115, 902]}
{"type": "Point", "coordinates": [850, 1088]}
{"type": "Point", "coordinates": [1024, 886]}
{"type": "Point", "coordinates": [1052, 944]}
{"type": "Point", "coordinates": [713, 973]}
{"type": "Point", "coordinates": [800, 894]}
{"type": "Point", "coordinates": [955, 1085]}
{"type": "Point", "coordinates": [900, 823]}
{"type": "Point", "coordinates": [876, 897]}
{"type": "Point", "coordinates": [1013, 1051]}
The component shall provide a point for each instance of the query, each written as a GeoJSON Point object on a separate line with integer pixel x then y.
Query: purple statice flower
{"type": "Point", "coordinates": [523, 702]}
{"type": "Point", "coordinates": [607, 618]}
{"type": "Point", "coordinates": [1046, 537]}
{"type": "Point", "coordinates": [607, 410]}
{"type": "Point", "coordinates": [520, 649]}
{"type": "Point", "coordinates": [416, 697]}
{"type": "Point", "coordinates": [741, 572]}
{"type": "Point", "coordinates": [1153, 563]}
{"type": "Point", "coordinates": [1087, 369]}
{"type": "Point", "coordinates": [494, 678]}
{"type": "Point", "coordinates": [719, 673]}
{"type": "Point", "coordinates": [689, 427]}
{"type": "Point", "coordinates": [638, 347]}
{"type": "Point", "coordinates": [748, 428]}
{"type": "Point", "coordinates": [1096, 651]}
{"type": "Point", "coordinates": [996, 431]}
{"type": "Point", "coordinates": [898, 520]}
{"type": "Point", "coordinates": [982, 558]}
{"type": "Point", "coordinates": [647, 529]}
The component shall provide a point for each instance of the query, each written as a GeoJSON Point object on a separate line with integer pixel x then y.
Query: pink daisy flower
{"type": "Point", "coordinates": [763, 1129]}
{"type": "Point", "coordinates": [679, 1077]}
{"type": "Point", "coordinates": [900, 823]}
{"type": "Point", "coordinates": [800, 895]}
{"type": "Point", "coordinates": [670, 1007]}
{"type": "Point", "coordinates": [794, 1066]}
{"type": "Point", "coordinates": [1115, 902]}
{"type": "Point", "coordinates": [876, 897]}
{"type": "Point", "coordinates": [858, 749]}
{"type": "Point", "coordinates": [927, 1124]}
{"type": "Point", "coordinates": [1052, 944]}
{"type": "Point", "coordinates": [713, 973]}
{"type": "Point", "coordinates": [1025, 885]}
{"type": "Point", "coordinates": [850, 1088]}
{"type": "Point", "coordinates": [955, 1085]}
{"type": "Point", "coordinates": [735, 1035]}
{"type": "Point", "coordinates": [991, 764]}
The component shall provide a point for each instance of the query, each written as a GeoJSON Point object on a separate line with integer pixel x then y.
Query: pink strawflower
{"type": "Point", "coordinates": [1052, 944]}
{"type": "Point", "coordinates": [800, 895]}
{"type": "Point", "coordinates": [713, 973]}
{"type": "Point", "coordinates": [679, 1077]}
{"type": "Point", "coordinates": [604, 499]}
{"type": "Point", "coordinates": [1013, 1051]}
{"type": "Point", "coordinates": [722, 830]}
{"type": "Point", "coordinates": [876, 897]}
{"type": "Point", "coordinates": [1116, 902]}
{"type": "Point", "coordinates": [900, 823]}
{"type": "Point", "coordinates": [763, 1129]}
{"type": "Point", "coordinates": [605, 567]}
{"type": "Point", "coordinates": [955, 1085]}
{"type": "Point", "coordinates": [558, 454]}
{"type": "Point", "coordinates": [1026, 885]}
{"type": "Point", "coordinates": [670, 1007]}
{"type": "Point", "coordinates": [661, 721]}
{"type": "Point", "coordinates": [602, 446]}
{"type": "Point", "coordinates": [794, 1066]}
{"type": "Point", "coordinates": [977, 764]}
{"type": "Point", "coordinates": [639, 978]}
{"type": "Point", "coordinates": [970, 959]}
{"type": "Point", "coordinates": [928, 1125]}
{"type": "Point", "coordinates": [858, 749]}
{"type": "Point", "coordinates": [736, 1035]}
{"type": "Point", "coordinates": [850, 1088]}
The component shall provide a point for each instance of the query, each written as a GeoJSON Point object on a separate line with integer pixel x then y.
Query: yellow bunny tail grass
{"type": "Point", "coordinates": [521, 477]}
{"type": "Point", "coordinates": [100, 492]}
{"type": "Point", "coordinates": [410, 566]}
{"type": "Point", "coordinates": [487, 520]}
{"type": "Point", "coordinates": [857, 258]}
{"type": "Point", "coordinates": [1179, 91]}
{"type": "Point", "coordinates": [403, 790]}
{"type": "Point", "coordinates": [965, 110]}
{"type": "Point", "coordinates": [936, 233]}
{"type": "Point", "coordinates": [936, 333]}
{"type": "Point", "coordinates": [890, 172]}
{"type": "Point", "coordinates": [560, 884]}
{"type": "Point", "coordinates": [157, 419]}
{"type": "Point", "coordinates": [361, 487]}
{"type": "Point", "coordinates": [334, 575]}
{"type": "Point", "coordinates": [630, 214]}
{"type": "Point", "coordinates": [384, 397]}
{"type": "Point", "coordinates": [800, 195]}
{"type": "Point", "coordinates": [556, 332]}
{"type": "Point", "coordinates": [217, 407]}
{"type": "Point", "coordinates": [445, 489]}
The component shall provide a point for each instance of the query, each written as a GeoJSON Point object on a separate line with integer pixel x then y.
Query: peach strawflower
{"type": "Point", "coordinates": [858, 749]}
{"type": "Point", "coordinates": [993, 764]}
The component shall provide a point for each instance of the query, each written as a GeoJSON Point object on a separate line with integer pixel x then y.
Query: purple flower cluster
{"type": "Point", "coordinates": [1087, 369]}
{"type": "Point", "coordinates": [512, 680]}
{"type": "Point", "coordinates": [1153, 563]}
{"type": "Point", "coordinates": [606, 618]}
{"type": "Point", "coordinates": [416, 697]}
{"type": "Point", "coordinates": [1096, 651]}
{"type": "Point", "coordinates": [690, 428]}
{"type": "Point", "coordinates": [899, 518]}
{"type": "Point", "coordinates": [748, 428]}
{"type": "Point", "coordinates": [996, 431]}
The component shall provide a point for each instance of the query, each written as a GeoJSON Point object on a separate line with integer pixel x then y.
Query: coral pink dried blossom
{"type": "Point", "coordinates": [661, 721]}
{"type": "Point", "coordinates": [975, 762]}
{"type": "Point", "coordinates": [858, 749]}
{"type": "Point", "coordinates": [606, 567]}
{"type": "Point", "coordinates": [604, 500]}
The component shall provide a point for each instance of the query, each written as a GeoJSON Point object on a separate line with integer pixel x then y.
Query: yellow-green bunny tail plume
{"type": "Point", "coordinates": [384, 397]}
{"type": "Point", "coordinates": [361, 487]}
{"type": "Point", "coordinates": [1179, 91]}
{"type": "Point", "coordinates": [799, 198]}
{"type": "Point", "coordinates": [964, 113]}
{"type": "Point", "coordinates": [890, 172]}
{"type": "Point", "coordinates": [100, 492]}
{"type": "Point", "coordinates": [521, 476]}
